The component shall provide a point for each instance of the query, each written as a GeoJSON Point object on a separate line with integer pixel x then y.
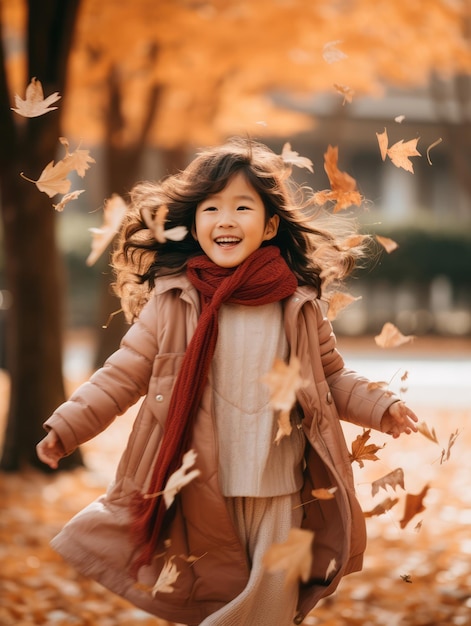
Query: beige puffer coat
{"type": "Point", "coordinates": [96, 541]}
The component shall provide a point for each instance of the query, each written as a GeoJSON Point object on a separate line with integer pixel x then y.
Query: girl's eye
{"type": "Point", "coordinates": [243, 208]}
{"type": "Point", "coordinates": [210, 208]}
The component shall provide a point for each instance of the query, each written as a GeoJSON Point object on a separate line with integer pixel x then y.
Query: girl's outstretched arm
{"type": "Point", "coordinates": [50, 450]}
{"type": "Point", "coordinates": [397, 419]}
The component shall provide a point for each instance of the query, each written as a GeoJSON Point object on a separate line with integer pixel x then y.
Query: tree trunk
{"type": "Point", "coordinates": [33, 268]}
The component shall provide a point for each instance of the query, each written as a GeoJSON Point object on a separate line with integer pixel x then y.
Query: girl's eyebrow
{"type": "Point", "coordinates": [216, 196]}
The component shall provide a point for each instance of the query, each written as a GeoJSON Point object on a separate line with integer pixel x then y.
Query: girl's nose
{"type": "Point", "coordinates": [225, 219]}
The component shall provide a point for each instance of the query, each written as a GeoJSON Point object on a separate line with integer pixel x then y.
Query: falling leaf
{"type": "Point", "coordinates": [413, 506]}
{"type": "Point", "coordinates": [178, 479]}
{"type": "Point", "coordinates": [331, 568]}
{"type": "Point", "coordinates": [426, 432]}
{"type": "Point", "coordinates": [391, 337]}
{"type": "Point", "coordinates": [293, 556]}
{"type": "Point", "coordinates": [405, 376]}
{"type": "Point", "coordinates": [338, 302]}
{"type": "Point", "coordinates": [382, 507]}
{"type": "Point", "coordinates": [324, 494]}
{"type": "Point", "coordinates": [114, 210]}
{"type": "Point", "coordinates": [388, 244]}
{"type": "Point", "coordinates": [406, 578]}
{"type": "Point", "coordinates": [432, 145]}
{"type": "Point", "coordinates": [362, 452]}
{"type": "Point", "coordinates": [78, 160]}
{"type": "Point", "coordinates": [399, 119]}
{"type": "Point", "coordinates": [451, 441]}
{"type": "Point", "coordinates": [331, 53]}
{"type": "Point", "coordinates": [284, 426]}
{"type": "Point", "coordinates": [156, 224]}
{"type": "Point", "coordinates": [400, 152]}
{"type": "Point", "coordinates": [73, 195]}
{"type": "Point", "coordinates": [35, 104]}
{"type": "Point", "coordinates": [53, 179]}
{"type": "Point", "coordinates": [393, 479]}
{"type": "Point", "coordinates": [284, 380]}
{"type": "Point", "coordinates": [346, 92]}
{"type": "Point", "coordinates": [343, 187]}
{"type": "Point", "coordinates": [292, 158]}
{"type": "Point", "coordinates": [168, 576]}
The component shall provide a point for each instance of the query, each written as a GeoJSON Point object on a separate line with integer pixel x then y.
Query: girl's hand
{"type": "Point", "coordinates": [50, 450]}
{"type": "Point", "coordinates": [398, 419]}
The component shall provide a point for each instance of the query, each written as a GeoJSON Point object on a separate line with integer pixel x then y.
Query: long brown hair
{"type": "Point", "coordinates": [311, 251]}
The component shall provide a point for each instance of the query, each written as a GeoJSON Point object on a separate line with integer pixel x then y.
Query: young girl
{"type": "Point", "coordinates": [212, 313]}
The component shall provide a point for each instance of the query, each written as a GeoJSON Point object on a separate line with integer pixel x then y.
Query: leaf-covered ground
{"type": "Point", "coordinates": [419, 575]}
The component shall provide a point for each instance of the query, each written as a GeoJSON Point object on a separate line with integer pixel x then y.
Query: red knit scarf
{"type": "Point", "coordinates": [264, 277]}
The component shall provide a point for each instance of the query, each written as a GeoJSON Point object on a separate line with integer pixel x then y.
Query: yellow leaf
{"type": "Point", "coordinates": [391, 337]}
{"type": "Point", "coordinates": [35, 104]}
{"type": "Point", "coordinates": [78, 160]}
{"type": "Point", "coordinates": [114, 211]}
{"type": "Point", "coordinates": [293, 556]}
{"type": "Point", "coordinates": [53, 179]}
{"type": "Point", "coordinates": [343, 186]}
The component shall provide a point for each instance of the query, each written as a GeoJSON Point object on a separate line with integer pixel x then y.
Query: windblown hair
{"type": "Point", "coordinates": [317, 255]}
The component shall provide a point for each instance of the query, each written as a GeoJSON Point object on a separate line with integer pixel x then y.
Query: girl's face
{"type": "Point", "coordinates": [232, 224]}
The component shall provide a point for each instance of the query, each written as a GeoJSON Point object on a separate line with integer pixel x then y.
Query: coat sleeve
{"type": "Point", "coordinates": [355, 402]}
{"type": "Point", "coordinates": [112, 389]}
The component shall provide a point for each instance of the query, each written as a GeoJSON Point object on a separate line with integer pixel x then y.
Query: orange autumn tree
{"type": "Point", "coordinates": [176, 74]}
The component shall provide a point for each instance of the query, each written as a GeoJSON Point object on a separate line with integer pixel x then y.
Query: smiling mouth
{"type": "Point", "coordinates": [227, 241]}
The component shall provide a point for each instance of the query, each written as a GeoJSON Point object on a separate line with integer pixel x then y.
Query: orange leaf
{"type": "Point", "coordinates": [362, 452]}
{"type": "Point", "coordinates": [324, 494]}
{"type": "Point", "coordinates": [413, 506]}
{"type": "Point", "coordinates": [293, 556]}
{"type": "Point", "coordinates": [451, 443]}
{"type": "Point", "coordinates": [343, 186]}
{"type": "Point", "coordinates": [35, 104]}
{"type": "Point", "coordinates": [391, 337]}
{"type": "Point", "coordinates": [284, 426]}
{"type": "Point", "coordinates": [388, 244]}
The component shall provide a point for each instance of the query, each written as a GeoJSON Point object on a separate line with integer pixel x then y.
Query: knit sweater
{"type": "Point", "coordinates": [250, 463]}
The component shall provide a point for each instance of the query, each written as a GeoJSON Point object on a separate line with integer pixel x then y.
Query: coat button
{"type": "Point", "coordinates": [329, 397]}
{"type": "Point", "coordinates": [159, 397]}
